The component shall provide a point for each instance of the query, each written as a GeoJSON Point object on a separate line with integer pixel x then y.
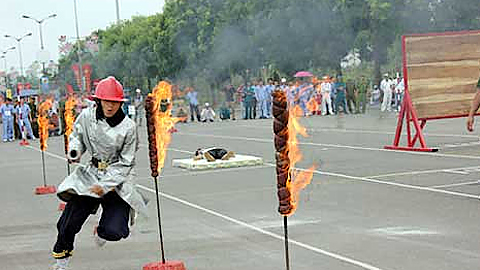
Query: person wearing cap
{"type": "Point", "coordinates": [386, 87]}
{"type": "Point", "coordinates": [261, 93]}
{"type": "Point", "coordinates": [326, 90]}
{"type": "Point", "coordinates": [207, 114]}
{"type": "Point", "coordinates": [22, 110]}
{"type": "Point", "coordinates": [361, 100]}
{"type": "Point", "coordinates": [110, 139]}
{"type": "Point", "coordinates": [7, 111]}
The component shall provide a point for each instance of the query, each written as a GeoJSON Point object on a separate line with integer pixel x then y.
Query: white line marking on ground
{"type": "Point", "coordinates": [370, 132]}
{"type": "Point", "coordinates": [456, 172]}
{"type": "Point", "coordinates": [334, 146]}
{"type": "Point", "coordinates": [457, 145]}
{"type": "Point", "coordinates": [464, 195]}
{"type": "Point", "coordinates": [404, 231]}
{"type": "Point", "coordinates": [265, 232]}
{"type": "Point", "coordinates": [458, 184]}
{"type": "Point", "coordinates": [448, 170]}
{"type": "Point", "coordinates": [194, 173]}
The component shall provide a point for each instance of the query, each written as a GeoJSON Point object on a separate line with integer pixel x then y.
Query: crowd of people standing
{"type": "Point", "coordinates": [326, 96]}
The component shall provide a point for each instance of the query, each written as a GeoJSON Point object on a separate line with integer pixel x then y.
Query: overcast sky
{"type": "Point", "coordinates": [92, 14]}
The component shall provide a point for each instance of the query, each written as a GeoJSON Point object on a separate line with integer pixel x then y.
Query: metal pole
{"type": "Point", "coordinates": [65, 144]}
{"type": "Point", "coordinates": [6, 70]}
{"type": "Point", "coordinates": [20, 55]}
{"type": "Point", "coordinates": [41, 46]}
{"type": "Point", "coordinates": [43, 166]}
{"type": "Point", "coordinates": [79, 47]}
{"type": "Point", "coordinates": [159, 221]}
{"type": "Point", "coordinates": [118, 11]}
{"type": "Point", "coordinates": [285, 231]}
{"type": "Point", "coordinates": [41, 36]}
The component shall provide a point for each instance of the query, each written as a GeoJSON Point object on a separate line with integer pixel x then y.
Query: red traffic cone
{"type": "Point", "coordinates": [42, 190]}
{"type": "Point", "coordinates": [24, 142]}
{"type": "Point", "coordinates": [168, 265]}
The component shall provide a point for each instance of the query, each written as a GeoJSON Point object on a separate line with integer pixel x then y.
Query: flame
{"type": "Point", "coordinates": [69, 115]}
{"type": "Point", "coordinates": [312, 105]}
{"type": "Point", "coordinates": [298, 179]}
{"type": "Point", "coordinates": [164, 122]}
{"type": "Point", "coordinates": [43, 122]}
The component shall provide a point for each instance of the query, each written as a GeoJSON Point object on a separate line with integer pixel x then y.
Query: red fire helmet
{"type": "Point", "coordinates": [109, 89]}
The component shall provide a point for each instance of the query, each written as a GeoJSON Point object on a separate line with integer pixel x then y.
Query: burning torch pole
{"type": "Point", "coordinates": [149, 111]}
{"type": "Point", "coordinates": [69, 118]}
{"type": "Point", "coordinates": [280, 129]}
{"type": "Point", "coordinates": [43, 132]}
{"type": "Point", "coordinates": [65, 142]}
{"type": "Point", "coordinates": [285, 232]}
{"type": "Point", "coordinates": [160, 235]}
{"type": "Point", "coordinates": [159, 123]}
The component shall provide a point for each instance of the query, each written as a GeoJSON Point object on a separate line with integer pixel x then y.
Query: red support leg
{"type": "Point", "coordinates": [422, 125]}
{"type": "Point", "coordinates": [408, 112]}
{"type": "Point", "coordinates": [401, 115]}
{"type": "Point", "coordinates": [409, 130]}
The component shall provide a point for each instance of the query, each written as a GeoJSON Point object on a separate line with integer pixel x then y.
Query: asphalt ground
{"type": "Point", "coordinates": [366, 208]}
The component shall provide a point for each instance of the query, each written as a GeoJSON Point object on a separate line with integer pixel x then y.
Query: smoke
{"type": "Point", "coordinates": [287, 36]}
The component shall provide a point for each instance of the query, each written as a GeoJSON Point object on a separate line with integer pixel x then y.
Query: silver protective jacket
{"type": "Point", "coordinates": [115, 146]}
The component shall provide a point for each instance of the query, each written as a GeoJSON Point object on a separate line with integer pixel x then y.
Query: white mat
{"type": "Point", "coordinates": [203, 164]}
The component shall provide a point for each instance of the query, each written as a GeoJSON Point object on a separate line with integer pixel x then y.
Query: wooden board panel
{"type": "Point", "coordinates": [442, 72]}
{"type": "Point", "coordinates": [434, 48]}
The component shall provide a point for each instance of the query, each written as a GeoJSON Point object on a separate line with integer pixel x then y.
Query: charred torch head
{"type": "Point", "coordinates": [280, 129]}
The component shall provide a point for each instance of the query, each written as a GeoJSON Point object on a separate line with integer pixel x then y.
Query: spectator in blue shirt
{"type": "Point", "coordinates": [192, 97]}
{"type": "Point", "coordinates": [23, 118]}
{"type": "Point", "coordinates": [7, 110]}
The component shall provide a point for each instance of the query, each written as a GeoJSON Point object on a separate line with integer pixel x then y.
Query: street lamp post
{"type": "Point", "coordinates": [40, 22]}
{"type": "Point", "coordinates": [19, 39]}
{"type": "Point", "coordinates": [4, 56]}
{"type": "Point", "coordinates": [118, 11]}
{"type": "Point", "coordinates": [79, 46]}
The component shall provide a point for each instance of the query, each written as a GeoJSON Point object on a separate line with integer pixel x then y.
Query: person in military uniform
{"type": "Point", "coordinates": [110, 138]}
{"type": "Point", "coordinates": [351, 99]}
{"type": "Point", "coordinates": [341, 97]}
{"type": "Point", "coordinates": [361, 99]}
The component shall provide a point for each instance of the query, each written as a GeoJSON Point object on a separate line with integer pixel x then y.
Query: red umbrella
{"type": "Point", "coordinates": [302, 74]}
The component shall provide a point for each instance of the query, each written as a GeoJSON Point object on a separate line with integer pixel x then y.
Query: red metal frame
{"type": "Point", "coordinates": [408, 113]}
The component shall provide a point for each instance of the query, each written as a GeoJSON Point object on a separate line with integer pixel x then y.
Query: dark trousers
{"type": "Point", "coordinates": [249, 110]}
{"type": "Point", "coordinates": [351, 102]}
{"type": "Point", "coordinates": [113, 224]}
{"type": "Point", "coordinates": [194, 111]}
{"type": "Point", "coordinates": [254, 109]}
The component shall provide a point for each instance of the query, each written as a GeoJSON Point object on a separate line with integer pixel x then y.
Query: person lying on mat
{"type": "Point", "coordinates": [213, 153]}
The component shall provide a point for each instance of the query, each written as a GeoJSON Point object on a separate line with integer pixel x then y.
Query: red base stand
{"type": "Point", "coordinates": [169, 265]}
{"type": "Point", "coordinates": [45, 190]}
{"type": "Point", "coordinates": [408, 114]}
{"type": "Point", "coordinates": [61, 206]}
{"type": "Point", "coordinates": [24, 142]}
